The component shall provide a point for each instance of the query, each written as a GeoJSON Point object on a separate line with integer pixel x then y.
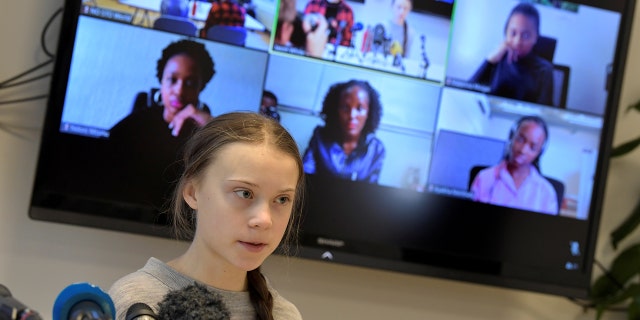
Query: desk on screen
{"type": "Point", "coordinates": [410, 67]}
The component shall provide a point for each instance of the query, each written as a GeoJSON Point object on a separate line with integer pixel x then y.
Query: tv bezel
{"type": "Point", "coordinates": [73, 210]}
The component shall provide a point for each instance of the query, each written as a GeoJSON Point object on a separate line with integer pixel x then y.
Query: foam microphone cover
{"type": "Point", "coordinates": [193, 302]}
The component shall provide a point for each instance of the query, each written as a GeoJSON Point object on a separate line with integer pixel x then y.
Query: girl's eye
{"type": "Point", "coordinates": [190, 83]}
{"type": "Point", "coordinates": [283, 200]}
{"type": "Point", "coordinates": [245, 194]}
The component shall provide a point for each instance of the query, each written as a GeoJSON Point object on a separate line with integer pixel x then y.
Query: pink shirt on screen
{"type": "Point", "coordinates": [496, 186]}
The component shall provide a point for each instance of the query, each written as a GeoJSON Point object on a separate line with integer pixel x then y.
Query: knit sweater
{"type": "Point", "coordinates": [150, 284]}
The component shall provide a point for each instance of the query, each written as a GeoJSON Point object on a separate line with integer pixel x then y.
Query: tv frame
{"type": "Point", "coordinates": [438, 261]}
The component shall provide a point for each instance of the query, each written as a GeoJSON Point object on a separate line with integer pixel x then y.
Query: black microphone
{"type": "Point", "coordinates": [12, 309]}
{"type": "Point", "coordinates": [193, 302]}
{"type": "Point", "coordinates": [140, 311]}
{"type": "Point", "coordinates": [83, 301]}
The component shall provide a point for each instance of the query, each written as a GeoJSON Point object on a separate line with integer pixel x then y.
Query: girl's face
{"type": "Point", "coordinates": [244, 205]}
{"type": "Point", "coordinates": [521, 34]}
{"type": "Point", "coordinates": [400, 9]}
{"type": "Point", "coordinates": [353, 111]}
{"type": "Point", "coordinates": [527, 144]}
{"type": "Point", "coordinates": [181, 83]}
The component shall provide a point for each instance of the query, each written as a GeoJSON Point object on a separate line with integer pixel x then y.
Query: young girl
{"type": "Point", "coordinates": [238, 197]}
{"type": "Point", "coordinates": [514, 70]}
{"type": "Point", "coordinates": [516, 181]}
{"type": "Point", "coordinates": [346, 146]}
{"type": "Point", "coordinates": [398, 28]}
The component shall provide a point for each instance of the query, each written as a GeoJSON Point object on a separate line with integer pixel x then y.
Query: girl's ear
{"type": "Point", "coordinates": [189, 195]}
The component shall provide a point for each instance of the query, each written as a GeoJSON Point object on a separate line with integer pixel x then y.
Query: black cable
{"type": "Point", "coordinates": [16, 130]}
{"type": "Point", "coordinates": [44, 47]}
{"type": "Point", "coordinates": [589, 304]}
{"type": "Point", "coordinates": [606, 272]}
{"type": "Point", "coordinates": [5, 82]}
{"type": "Point", "coordinates": [44, 32]}
{"type": "Point", "coordinates": [43, 96]}
{"type": "Point", "coordinates": [15, 84]}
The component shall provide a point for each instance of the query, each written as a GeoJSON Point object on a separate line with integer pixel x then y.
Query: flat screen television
{"type": "Point", "coordinates": [427, 190]}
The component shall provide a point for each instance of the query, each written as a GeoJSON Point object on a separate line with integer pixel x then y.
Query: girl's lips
{"type": "Point", "coordinates": [253, 247]}
{"type": "Point", "coordinates": [176, 104]}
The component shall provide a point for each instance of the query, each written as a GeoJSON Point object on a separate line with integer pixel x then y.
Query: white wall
{"type": "Point", "coordinates": [39, 259]}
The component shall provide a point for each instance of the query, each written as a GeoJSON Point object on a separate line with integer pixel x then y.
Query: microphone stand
{"type": "Point", "coordinates": [397, 62]}
{"type": "Point", "coordinates": [351, 51]}
{"type": "Point", "coordinates": [425, 60]}
{"type": "Point", "coordinates": [341, 26]}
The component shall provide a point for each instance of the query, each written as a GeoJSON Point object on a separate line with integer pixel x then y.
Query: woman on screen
{"type": "Point", "coordinates": [400, 32]}
{"type": "Point", "coordinates": [183, 71]}
{"type": "Point", "coordinates": [177, 8]}
{"type": "Point", "coordinates": [339, 16]}
{"type": "Point", "coordinates": [516, 181]}
{"type": "Point", "coordinates": [224, 13]}
{"type": "Point", "coordinates": [513, 70]}
{"type": "Point", "coordinates": [305, 35]}
{"type": "Point", "coordinates": [145, 143]}
{"type": "Point", "coordinates": [237, 199]}
{"type": "Point", "coordinates": [346, 146]}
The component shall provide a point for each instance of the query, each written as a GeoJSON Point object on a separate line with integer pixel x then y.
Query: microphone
{"type": "Point", "coordinates": [396, 48]}
{"type": "Point", "coordinates": [140, 311]}
{"type": "Point", "coordinates": [357, 27]}
{"type": "Point", "coordinates": [83, 301]}
{"type": "Point", "coordinates": [313, 20]}
{"type": "Point", "coordinates": [193, 302]}
{"type": "Point", "coordinates": [12, 309]}
{"type": "Point", "coordinates": [341, 25]}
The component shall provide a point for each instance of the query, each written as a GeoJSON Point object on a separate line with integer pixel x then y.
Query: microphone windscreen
{"type": "Point", "coordinates": [83, 299]}
{"type": "Point", "coordinates": [193, 302]}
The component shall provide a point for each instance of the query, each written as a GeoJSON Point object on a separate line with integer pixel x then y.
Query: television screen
{"type": "Point", "coordinates": [460, 139]}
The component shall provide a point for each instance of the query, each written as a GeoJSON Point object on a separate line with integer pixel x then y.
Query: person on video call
{"type": "Point", "coordinates": [346, 146]}
{"type": "Point", "coordinates": [269, 105]}
{"type": "Point", "coordinates": [224, 13]}
{"type": "Point", "coordinates": [513, 70]}
{"type": "Point", "coordinates": [398, 30]}
{"type": "Point", "coordinates": [516, 181]}
{"type": "Point", "coordinates": [163, 119]}
{"type": "Point", "coordinates": [176, 8]}
{"type": "Point", "coordinates": [339, 16]}
{"type": "Point", "coordinates": [298, 33]}
{"type": "Point", "coordinates": [238, 199]}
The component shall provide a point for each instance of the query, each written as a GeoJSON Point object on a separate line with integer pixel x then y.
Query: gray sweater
{"type": "Point", "coordinates": [151, 283]}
